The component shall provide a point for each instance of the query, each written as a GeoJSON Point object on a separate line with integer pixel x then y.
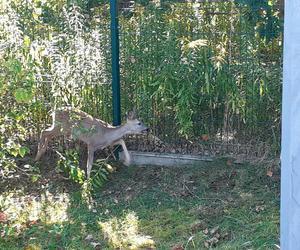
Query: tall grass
{"type": "Point", "coordinates": [202, 69]}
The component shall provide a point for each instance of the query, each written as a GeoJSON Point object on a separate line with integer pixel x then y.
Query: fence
{"type": "Point", "coordinates": [206, 76]}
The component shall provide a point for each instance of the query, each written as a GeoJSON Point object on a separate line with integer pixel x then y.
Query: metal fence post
{"type": "Point", "coordinates": [115, 62]}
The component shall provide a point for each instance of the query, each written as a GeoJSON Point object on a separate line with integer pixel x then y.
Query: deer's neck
{"type": "Point", "coordinates": [119, 132]}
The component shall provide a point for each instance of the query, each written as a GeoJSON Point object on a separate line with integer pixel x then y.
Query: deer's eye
{"type": "Point", "coordinates": [139, 123]}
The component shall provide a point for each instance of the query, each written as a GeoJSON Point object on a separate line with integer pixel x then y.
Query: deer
{"type": "Point", "coordinates": [95, 133]}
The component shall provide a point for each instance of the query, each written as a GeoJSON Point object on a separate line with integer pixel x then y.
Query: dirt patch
{"type": "Point", "coordinates": [31, 177]}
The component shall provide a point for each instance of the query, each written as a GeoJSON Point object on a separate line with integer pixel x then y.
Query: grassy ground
{"type": "Point", "coordinates": [216, 205]}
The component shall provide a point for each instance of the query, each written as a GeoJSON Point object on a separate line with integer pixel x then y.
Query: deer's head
{"type": "Point", "coordinates": [135, 125]}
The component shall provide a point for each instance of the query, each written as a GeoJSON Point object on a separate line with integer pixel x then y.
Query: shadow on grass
{"type": "Point", "coordinates": [54, 213]}
{"type": "Point", "coordinates": [214, 205]}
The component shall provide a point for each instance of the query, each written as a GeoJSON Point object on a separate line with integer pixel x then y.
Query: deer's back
{"type": "Point", "coordinates": [78, 124]}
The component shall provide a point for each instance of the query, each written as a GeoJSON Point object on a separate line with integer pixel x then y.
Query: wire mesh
{"type": "Point", "coordinates": [205, 76]}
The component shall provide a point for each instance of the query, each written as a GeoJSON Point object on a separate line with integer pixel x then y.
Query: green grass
{"type": "Point", "coordinates": [219, 205]}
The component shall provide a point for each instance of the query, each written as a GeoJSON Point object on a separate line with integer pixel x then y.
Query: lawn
{"type": "Point", "coordinates": [217, 205]}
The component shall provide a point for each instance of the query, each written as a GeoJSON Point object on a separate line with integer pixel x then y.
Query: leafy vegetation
{"type": "Point", "coordinates": [206, 66]}
{"type": "Point", "coordinates": [192, 69]}
{"type": "Point", "coordinates": [69, 164]}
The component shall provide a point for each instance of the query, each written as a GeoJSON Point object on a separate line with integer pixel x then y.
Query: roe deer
{"type": "Point", "coordinates": [97, 134]}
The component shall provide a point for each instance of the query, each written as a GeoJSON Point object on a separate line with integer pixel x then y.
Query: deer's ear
{"type": "Point", "coordinates": [134, 113]}
{"type": "Point", "coordinates": [130, 115]}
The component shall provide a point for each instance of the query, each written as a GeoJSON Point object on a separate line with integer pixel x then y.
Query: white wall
{"type": "Point", "coordinates": [290, 154]}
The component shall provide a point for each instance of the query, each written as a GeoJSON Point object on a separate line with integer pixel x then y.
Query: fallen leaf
{"type": "Point", "coordinates": [214, 240]}
{"type": "Point", "coordinates": [211, 242]}
{"type": "Point", "coordinates": [259, 208]}
{"type": "Point", "coordinates": [96, 245]}
{"type": "Point", "coordinates": [58, 237]}
{"type": "Point", "coordinates": [33, 222]}
{"type": "Point", "coordinates": [218, 236]}
{"type": "Point", "coordinates": [178, 247]}
{"type": "Point", "coordinates": [198, 225]}
{"type": "Point", "coordinates": [204, 137]}
{"type": "Point", "coordinates": [214, 230]}
{"type": "Point", "coordinates": [206, 244]}
{"type": "Point", "coordinates": [269, 173]}
{"type": "Point", "coordinates": [3, 217]}
{"type": "Point", "coordinates": [132, 59]}
{"type": "Point", "coordinates": [32, 247]}
{"type": "Point", "coordinates": [233, 174]}
{"type": "Point", "coordinates": [225, 236]}
{"type": "Point", "coordinates": [229, 162]}
{"type": "Point", "coordinates": [89, 237]}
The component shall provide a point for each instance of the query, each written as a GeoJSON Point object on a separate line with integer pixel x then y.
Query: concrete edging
{"type": "Point", "coordinates": [163, 159]}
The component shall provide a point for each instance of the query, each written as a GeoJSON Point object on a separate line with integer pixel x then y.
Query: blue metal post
{"type": "Point", "coordinates": [115, 63]}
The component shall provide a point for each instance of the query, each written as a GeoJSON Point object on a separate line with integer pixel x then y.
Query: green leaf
{"type": "Point", "coordinates": [23, 150]}
{"type": "Point", "coordinates": [15, 66]}
{"type": "Point", "coordinates": [97, 182]}
{"type": "Point", "coordinates": [37, 12]}
{"type": "Point", "coordinates": [14, 152]}
{"type": "Point", "coordinates": [23, 95]}
{"type": "Point", "coordinates": [104, 177]}
{"type": "Point", "coordinates": [35, 178]}
{"type": "Point", "coordinates": [27, 41]}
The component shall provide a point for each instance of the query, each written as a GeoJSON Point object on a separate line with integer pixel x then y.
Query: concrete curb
{"type": "Point", "coordinates": [159, 159]}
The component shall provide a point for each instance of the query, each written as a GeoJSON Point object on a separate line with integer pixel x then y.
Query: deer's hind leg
{"type": "Point", "coordinates": [46, 136]}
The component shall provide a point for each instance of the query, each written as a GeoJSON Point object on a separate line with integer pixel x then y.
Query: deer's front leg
{"type": "Point", "coordinates": [90, 160]}
{"type": "Point", "coordinates": [126, 153]}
